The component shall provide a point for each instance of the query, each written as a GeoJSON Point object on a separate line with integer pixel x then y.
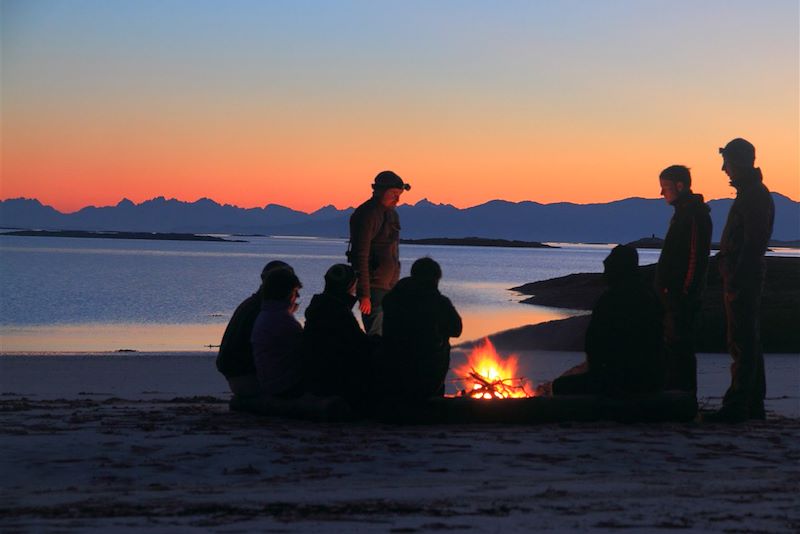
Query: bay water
{"type": "Point", "coordinates": [83, 294]}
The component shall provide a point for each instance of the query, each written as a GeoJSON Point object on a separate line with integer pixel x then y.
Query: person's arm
{"type": "Point", "coordinates": [757, 223]}
{"type": "Point", "coordinates": [451, 320]}
{"type": "Point", "coordinates": [362, 232]}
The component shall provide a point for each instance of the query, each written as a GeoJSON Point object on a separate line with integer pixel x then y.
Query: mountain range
{"type": "Point", "coordinates": [613, 222]}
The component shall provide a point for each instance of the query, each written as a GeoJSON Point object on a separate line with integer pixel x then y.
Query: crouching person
{"type": "Point", "coordinates": [235, 358]}
{"type": "Point", "coordinates": [335, 348]}
{"type": "Point", "coordinates": [624, 338]}
{"type": "Point", "coordinates": [418, 323]}
{"type": "Point", "coordinates": [277, 335]}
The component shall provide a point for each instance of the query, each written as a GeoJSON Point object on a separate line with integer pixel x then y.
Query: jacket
{"type": "Point", "coordinates": [276, 346]}
{"type": "Point", "coordinates": [235, 357]}
{"type": "Point", "coordinates": [375, 250]}
{"type": "Point", "coordinates": [746, 235]}
{"type": "Point", "coordinates": [418, 323]}
{"type": "Point", "coordinates": [683, 263]}
{"type": "Point", "coordinates": [335, 348]}
{"type": "Point", "coordinates": [623, 340]}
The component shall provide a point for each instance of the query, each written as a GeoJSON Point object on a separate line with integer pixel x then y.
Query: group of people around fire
{"type": "Point", "coordinates": [640, 338]}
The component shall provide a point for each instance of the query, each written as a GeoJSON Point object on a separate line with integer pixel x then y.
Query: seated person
{"type": "Point", "coordinates": [623, 341]}
{"type": "Point", "coordinates": [276, 336]}
{"type": "Point", "coordinates": [418, 323]}
{"type": "Point", "coordinates": [235, 357]}
{"type": "Point", "coordinates": [335, 348]}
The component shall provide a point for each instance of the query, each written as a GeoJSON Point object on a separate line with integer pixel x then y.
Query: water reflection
{"type": "Point", "coordinates": [155, 337]}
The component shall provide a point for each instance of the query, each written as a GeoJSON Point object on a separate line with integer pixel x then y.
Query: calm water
{"type": "Point", "coordinates": [64, 294]}
{"type": "Point", "coordinates": [61, 294]}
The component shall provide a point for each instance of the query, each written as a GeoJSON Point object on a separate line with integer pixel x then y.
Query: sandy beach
{"type": "Point", "coordinates": [147, 443]}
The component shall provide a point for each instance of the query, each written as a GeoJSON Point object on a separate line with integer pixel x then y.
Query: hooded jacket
{"type": "Point", "coordinates": [683, 263]}
{"type": "Point", "coordinates": [375, 249]}
{"type": "Point", "coordinates": [747, 233]}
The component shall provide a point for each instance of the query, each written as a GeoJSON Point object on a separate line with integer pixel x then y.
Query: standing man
{"type": "Point", "coordinates": [681, 274]}
{"type": "Point", "coordinates": [741, 264]}
{"type": "Point", "coordinates": [374, 247]}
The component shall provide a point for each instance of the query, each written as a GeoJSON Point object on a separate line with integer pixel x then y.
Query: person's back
{"type": "Point", "coordinates": [336, 350]}
{"type": "Point", "coordinates": [276, 337]}
{"type": "Point", "coordinates": [418, 322]}
{"type": "Point", "coordinates": [624, 337]}
{"type": "Point", "coordinates": [623, 341]}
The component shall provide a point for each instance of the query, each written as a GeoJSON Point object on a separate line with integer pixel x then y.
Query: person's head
{"type": "Point", "coordinates": [426, 271]}
{"type": "Point", "coordinates": [281, 285]}
{"type": "Point", "coordinates": [675, 181]}
{"type": "Point", "coordinates": [388, 187]}
{"type": "Point", "coordinates": [271, 266]}
{"type": "Point", "coordinates": [738, 158]}
{"type": "Point", "coordinates": [340, 278]}
{"type": "Point", "coordinates": [621, 264]}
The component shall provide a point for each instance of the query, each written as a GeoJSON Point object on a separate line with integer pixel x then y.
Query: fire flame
{"type": "Point", "coordinates": [488, 376]}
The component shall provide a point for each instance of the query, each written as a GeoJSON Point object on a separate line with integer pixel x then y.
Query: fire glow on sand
{"type": "Point", "coordinates": [485, 375]}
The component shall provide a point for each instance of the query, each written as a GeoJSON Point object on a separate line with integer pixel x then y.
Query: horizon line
{"type": "Point", "coordinates": [351, 207]}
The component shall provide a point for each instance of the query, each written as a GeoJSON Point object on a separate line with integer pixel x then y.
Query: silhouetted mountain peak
{"type": "Point", "coordinates": [205, 201]}
{"type": "Point", "coordinates": [125, 203]}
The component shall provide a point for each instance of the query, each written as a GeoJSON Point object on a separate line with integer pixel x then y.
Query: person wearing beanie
{"type": "Point", "coordinates": [374, 247]}
{"type": "Point", "coordinates": [235, 357]}
{"type": "Point", "coordinates": [418, 324]}
{"type": "Point", "coordinates": [681, 274]}
{"type": "Point", "coordinates": [741, 265]}
{"type": "Point", "coordinates": [624, 338]}
{"type": "Point", "coordinates": [336, 350]}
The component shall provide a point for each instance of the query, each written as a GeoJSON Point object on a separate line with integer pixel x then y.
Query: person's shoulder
{"type": "Point", "coordinates": [368, 206]}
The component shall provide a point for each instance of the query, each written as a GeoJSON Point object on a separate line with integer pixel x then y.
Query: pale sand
{"type": "Point", "coordinates": [77, 458]}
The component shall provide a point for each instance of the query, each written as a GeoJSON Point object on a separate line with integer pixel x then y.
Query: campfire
{"type": "Point", "coordinates": [486, 375]}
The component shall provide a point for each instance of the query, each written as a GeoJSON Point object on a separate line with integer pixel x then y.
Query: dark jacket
{"type": "Point", "coordinates": [418, 323]}
{"type": "Point", "coordinates": [276, 341]}
{"type": "Point", "coordinates": [374, 246]}
{"type": "Point", "coordinates": [623, 341]}
{"type": "Point", "coordinates": [746, 234]}
{"type": "Point", "coordinates": [335, 348]}
{"type": "Point", "coordinates": [683, 263]}
{"type": "Point", "coordinates": [235, 357]}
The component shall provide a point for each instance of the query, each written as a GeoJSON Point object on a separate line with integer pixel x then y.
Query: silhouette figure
{"type": "Point", "coordinates": [681, 274]}
{"type": "Point", "coordinates": [623, 341]}
{"type": "Point", "coordinates": [418, 324]}
{"type": "Point", "coordinates": [336, 350]}
{"type": "Point", "coordinates": [741, 264]}
{"type": "Point", "coordinates": [235, 357]}
{"type": "Point", "coordinates": [276, 336]}
{"type": "Point", "coordinates": [374, 247]}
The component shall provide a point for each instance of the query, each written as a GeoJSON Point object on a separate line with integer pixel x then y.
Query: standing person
{"type": "Point", "coordinates": [742, 267]}
{"type": "Point", "coordinates": [681, 274]}
{"type": "Point", "coordinates": [276, 337]}
{"type": "Point", "coordinates": [374, 247]}
{"type": "Point", "coordinates": [235, 357]}
{"type": "Point", "coordinates": [418, 326]}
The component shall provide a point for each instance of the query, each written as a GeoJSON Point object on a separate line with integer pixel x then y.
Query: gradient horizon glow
{"type": "Point", "coordinates": [301, 103]}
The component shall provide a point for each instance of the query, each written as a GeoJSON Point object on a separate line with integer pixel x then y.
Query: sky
{"type": "Point", "coordinates": [301, 103]}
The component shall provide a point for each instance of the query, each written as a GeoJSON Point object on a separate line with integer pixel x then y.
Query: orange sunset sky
{"type": "Point", "coordinates": [302, 103]}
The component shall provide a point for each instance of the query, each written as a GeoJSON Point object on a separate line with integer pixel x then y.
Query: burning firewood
{"type": "Point", "coordinates": [501, 388]}
{"type": "Point", "coordinates": [488, 376]}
